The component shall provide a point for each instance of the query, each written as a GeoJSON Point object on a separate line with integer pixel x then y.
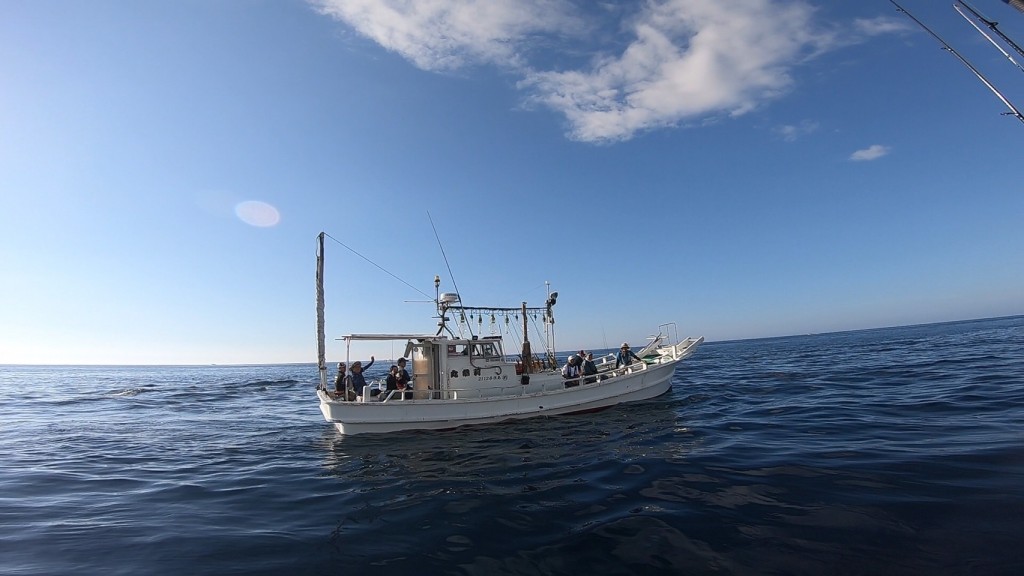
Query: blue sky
{"type": "Point", "coordinates": [744, 169]}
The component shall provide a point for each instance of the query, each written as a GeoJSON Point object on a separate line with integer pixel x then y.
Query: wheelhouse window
{"type": "Point", "coordinates": [486, 350]}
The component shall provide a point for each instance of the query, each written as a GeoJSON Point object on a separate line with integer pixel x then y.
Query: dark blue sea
{"type": "Point", "coordinates": [889, 451]}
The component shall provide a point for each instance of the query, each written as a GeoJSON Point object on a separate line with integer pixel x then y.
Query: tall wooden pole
{"type": "Point", "coordinates": [527, 355]}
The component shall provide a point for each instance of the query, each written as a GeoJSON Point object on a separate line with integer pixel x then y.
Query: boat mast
{"type": "Point", "coordinates": [321, 347]}
{"type": "Point", "coordinates": [945, 45]}
{"type": "Point", "coordinates": [527, 354]}
{"type": "Point", "coordinates": [549, 320]}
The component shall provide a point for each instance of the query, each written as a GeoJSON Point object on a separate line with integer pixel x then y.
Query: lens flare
{"type": "Point", "coordinates": [256, 213]}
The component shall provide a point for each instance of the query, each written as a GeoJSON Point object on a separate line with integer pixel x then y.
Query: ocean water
{"type": "Point", "coordinates": [891, 451]}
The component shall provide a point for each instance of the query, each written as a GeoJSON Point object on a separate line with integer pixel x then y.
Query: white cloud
{"type": "Point", "coordinates": [791, 132]}
{"type": "Point", "coordinates": [873, 152]}
{"type": "Point", "coordinates": [675, 61]}
{"type": "Point", "coordinates": [880, 25]}
{"type": "Point", "coordinates": [688, 58]}
{"type": "Point", "coordinates": [447, 34]}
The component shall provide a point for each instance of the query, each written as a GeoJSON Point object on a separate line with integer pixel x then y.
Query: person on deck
{"type": "Point", "coordinates": [589, 368]}
{"type": "Point", "coordinates": [626, 356]}
{"type": "Point", "coordinates": [391, 382]}
{"type": "Point", "coordinates": [341, 380]}
{"type": "Point", "coordinates": [358, 380]}
{"type": "Point", "coordinates": [571, 371]}
{"type": "Point", "coordinates": [403, 375]}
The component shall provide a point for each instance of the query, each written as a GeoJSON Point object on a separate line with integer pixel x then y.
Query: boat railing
{"type": "Point", "coordinates": [605, 361]}
{"type": "Point", "coordinates": [406, 394]}
{"type": "Point", "coordinates": [472, 393]}
{"type": "Point", "coordinates": [602, 377]}
{"type": "Point", "coordinates": [607, 373]}
{"type": "Point", "coordinates": [685, 347]}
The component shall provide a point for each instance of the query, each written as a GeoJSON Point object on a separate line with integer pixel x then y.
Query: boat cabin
{"type": "Point", "coordinates": [448, 368]}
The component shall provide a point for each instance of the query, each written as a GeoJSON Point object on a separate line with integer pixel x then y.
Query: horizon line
{"type": "Point", "coordinates": [706, 342]}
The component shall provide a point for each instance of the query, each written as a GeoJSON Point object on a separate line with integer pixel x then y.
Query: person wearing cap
{"type": "Point", "coordinates": [571, 371]}
{"type": "Point", "coordinates": [403, 374]}
{"type": "Point", "coordinates": [625, 356]}
{"type": "Point", "coordinates": [358, 380]}
{"type": "Point", "coordinates": [589, 368]}
{"type": "Point", "coordinates": [341, 381]}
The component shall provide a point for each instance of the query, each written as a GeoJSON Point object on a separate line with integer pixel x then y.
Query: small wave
{"type": "Point", "coordinates": [130, 392]}
{"type": "Point", "coordinates": [807, 455]}
{"type": "Point", "coordinates": [270, 382]}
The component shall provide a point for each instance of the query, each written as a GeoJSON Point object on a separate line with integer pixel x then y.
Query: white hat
{"type": "Point", "coordinates": [625, 345]}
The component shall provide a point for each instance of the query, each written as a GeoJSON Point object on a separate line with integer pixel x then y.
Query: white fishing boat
{"type": "Point", "coordinates": [460, 378]}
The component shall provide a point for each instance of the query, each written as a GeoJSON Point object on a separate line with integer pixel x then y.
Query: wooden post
{"type": "Point", "coordinates": [527, 355]}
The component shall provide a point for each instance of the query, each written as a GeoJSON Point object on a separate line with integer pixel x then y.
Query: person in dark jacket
{"type": "Point", "coordinates": [625, 357]}
{"type": "Point", "coordinates": [403, 374]}
{"type": "Point", "coordinates": [341, 380]}
{"type": "Point", "coordinates": [358, 380]}
{"type": "Point", "coordinates": [391, 382]}
{"type": "Point", "coordinates": [589, 368]}
{"type": "Point", "coordinates": [398, 379]}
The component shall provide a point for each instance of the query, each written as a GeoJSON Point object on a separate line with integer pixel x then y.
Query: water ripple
{"type": "Point", "coordinates": [892, 451]}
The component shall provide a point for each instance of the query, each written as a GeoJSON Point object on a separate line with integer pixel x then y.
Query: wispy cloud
{"type": "Point", "coordinates": [873, 152]}
{"type": "Point", "coordinates": [791, 132]}
{"type": "Point", "coordinates": [443, 35]}
{"type": "Point", "coordinates": [880, 25]}
{"type": "Point", "coordinates": [666, 62]}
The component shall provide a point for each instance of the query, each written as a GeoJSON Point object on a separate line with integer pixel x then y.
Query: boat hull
{"type": "Point", "coordinates": [394, 416]}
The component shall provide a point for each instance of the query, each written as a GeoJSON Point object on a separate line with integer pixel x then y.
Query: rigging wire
{"type": "Point", "coordinates": [347, 247]}
{"type": "Point", "coordinates": [445, 256]}
{"type": "Point", "coordinates": [542, 336]}
{"type": "Point", "coordinates": [512, 329]}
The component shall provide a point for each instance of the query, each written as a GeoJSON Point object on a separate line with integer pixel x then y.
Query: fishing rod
{"type": "Point", "coordinates": [993, 26]}
{"type": "Point", "coordinates": [989, 38]}
{"type": "Point", "coordinates": [945, 46]}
